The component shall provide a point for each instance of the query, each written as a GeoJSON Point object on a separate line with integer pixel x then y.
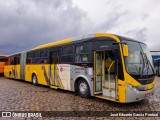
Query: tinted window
{"type": "Point", "coordinates": [29, 61]}
{"type": "Point", "coordinates": [42, 54]}
{"type": "Point", "coordinates": [82, 58]}
{"type": "Point", "coordinates": [55, 57]}
{"type": "Point", "coordinates": [85, 48]}
{"type": "Point", "coordinates": [67, 50]}
{"type": "Point", "coordinates": [83, 53]}
{"type": "Point", "coordinates": [46, 53]}
{"type": "Point", "coordinates": [30, 56]}
{"type": "Point", "coordinates": [67, 59]}
{"type": "Point", "coordinates": [37, 54]}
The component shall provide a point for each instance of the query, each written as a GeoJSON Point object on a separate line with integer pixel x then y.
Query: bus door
{"type": "Point", "coordinates": [22, 65]}
{"type": "Point", "coordinates": [54, 60]}
{"type": "Point", "coordinates": [98, 71]}
{"type": "Point", "coordinates": [105, 73]}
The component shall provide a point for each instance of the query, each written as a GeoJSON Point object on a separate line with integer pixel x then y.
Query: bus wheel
{"type": "Point", "coordinates": [34, 80]}
{"type": "Point", "coordinates": [83, 88]}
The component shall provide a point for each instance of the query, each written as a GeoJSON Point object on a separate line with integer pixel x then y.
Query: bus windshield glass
{"type": "Point", "coordinates": [139, 60]}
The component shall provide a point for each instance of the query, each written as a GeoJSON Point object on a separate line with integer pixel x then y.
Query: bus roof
{"type": "Point", "coordinates": [14, 54]}
{"type": "Point", "coordinates": [70, 40]}
{"type": "Point", "coordinates": [65, 41]}
{"type": "Point", "coordinates": [129, 39]}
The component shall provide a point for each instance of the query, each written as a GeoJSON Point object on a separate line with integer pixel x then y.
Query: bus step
{"type": "Point", "coordinates": [112, 85]}
{"type": "Point", "coordinates": [105, 97]}
{"type": "Point", "coordinates": [109, 93]}
{"type": "Point", "coordinates": [107, 88]}
{"type": "Point", "coordinates": [54, 87]}
{"type": "Point", "coordinates": [98, 93]}
{"type": "Point", "coordinates": [99, 75]}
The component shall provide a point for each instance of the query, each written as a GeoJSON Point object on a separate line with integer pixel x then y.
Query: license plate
{"type": "Point", "coordinates": [147, 94]}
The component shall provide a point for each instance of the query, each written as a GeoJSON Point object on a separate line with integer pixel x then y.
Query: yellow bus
{"type": "Point", "coordinates": [102, 65]}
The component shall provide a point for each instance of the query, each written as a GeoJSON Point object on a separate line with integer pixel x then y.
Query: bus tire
{"type": "Point", "coordinates": [83, 88]}
{"type": "Point", "coordinates": [34, 80]}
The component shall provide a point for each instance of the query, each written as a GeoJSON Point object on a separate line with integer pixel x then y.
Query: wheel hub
{"type": "Point", "coordinates": [83, 87]}
{"type": "Point", "coordinates": [34, 79]}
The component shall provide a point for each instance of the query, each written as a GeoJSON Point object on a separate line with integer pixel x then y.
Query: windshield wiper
{"type": "Point", "coordinates": [148, 61]}
{"type": "Point", "coordinates": [145, 64]}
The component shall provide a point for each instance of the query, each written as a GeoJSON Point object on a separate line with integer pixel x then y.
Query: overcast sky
{"type": "Point", "coordinates": [25, 24]}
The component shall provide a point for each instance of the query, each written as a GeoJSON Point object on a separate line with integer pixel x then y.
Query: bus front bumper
{"type": "Point", "coordinates": [135, 95]}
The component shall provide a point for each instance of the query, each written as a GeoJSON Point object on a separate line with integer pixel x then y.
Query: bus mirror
{"type": "Point", "coordinates": [125, 50]}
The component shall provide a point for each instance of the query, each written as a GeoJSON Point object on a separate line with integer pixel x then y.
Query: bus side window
{"type": "Point", "coordinates": [54, 57]}
{"type": "Point", "coordinates": [43, 57]}
{"type": "Point", "coordinates": [6, 61]}
{"type": "Point", "coordinates": [16, 60]}
{"type": "Point", "coordinates": [58, 53]}
{"type": "Point", "coordinates": [83, 53]}
{"type": "Point", "coordinates": [11, 61]}
{"type": "Point", "coordinates": [29, 59]}
{"type": "Point", "coordinates": [67, 54]}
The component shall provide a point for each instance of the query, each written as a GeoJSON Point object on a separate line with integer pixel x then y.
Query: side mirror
{"type": "Point", "coordinates": [125, 50]}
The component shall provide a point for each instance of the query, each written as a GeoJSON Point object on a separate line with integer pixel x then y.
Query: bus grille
{"type": "Point", "coordinates": [146, 81]}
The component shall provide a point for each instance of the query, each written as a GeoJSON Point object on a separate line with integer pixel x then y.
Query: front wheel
{"type": "Point", "coordinates": [34, 80]}
{"type": "Point", "coordinates": [83, 89]}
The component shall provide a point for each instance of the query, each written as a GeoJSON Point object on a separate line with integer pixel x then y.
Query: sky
{"type": "Point", "coordinates": [25, 24]}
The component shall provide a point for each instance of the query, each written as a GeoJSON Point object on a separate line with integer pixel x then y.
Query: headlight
{"type": "Point", "coordinates": [137, 88]}
{"type": "Point", "coordinates": [142, 87]}
{"type": "Point", "coordinates": [129, 85]}
{"type": "Point", "coordinates": [132, 87]}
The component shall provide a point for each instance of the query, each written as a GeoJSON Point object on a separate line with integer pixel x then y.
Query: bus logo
{"type": "Point", "coordinates": [6, 114]}
{"type": "Point", "coordinates": [86, 71]}
{"type": "Point", "coordinates": [61, 69]}
{"type": "Point", "coordinates": [72, 70]}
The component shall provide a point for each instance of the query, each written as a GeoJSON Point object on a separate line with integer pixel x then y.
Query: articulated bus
{"type": "Point", "coordinates": [2, 63]}
{"type": "Point", "coordinates": [102, 65]}
{"type": "Point", "coordinates": [157, 66]}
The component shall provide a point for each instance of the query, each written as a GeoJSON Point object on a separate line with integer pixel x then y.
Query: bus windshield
{"type": "Point", "coordinates": [139, 60]}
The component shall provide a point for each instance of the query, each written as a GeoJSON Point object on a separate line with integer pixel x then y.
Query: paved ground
{"type": "Point", "coordinates": [23, 96]}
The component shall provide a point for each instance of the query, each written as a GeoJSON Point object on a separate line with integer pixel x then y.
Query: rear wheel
{"type": "Point", "coordinates": [34, 80]}
{"type": "Point", "coordinates": [83, 88]}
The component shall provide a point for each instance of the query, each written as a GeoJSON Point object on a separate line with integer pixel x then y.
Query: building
{"type": "Point", "coordinates": [155, 54]}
